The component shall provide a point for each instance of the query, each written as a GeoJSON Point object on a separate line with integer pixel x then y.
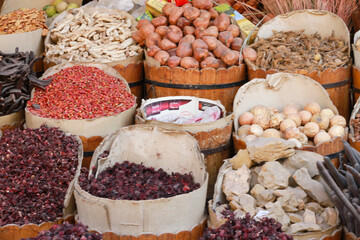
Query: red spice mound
{"type": "Point", "coordinates": [81, 92]}
{"type": "Point", "coordinates": [131, 181]}
{"type": "Point", "coordinates": [246, 229]}
{"type": "Point", "coordinates": [67, 231]}
{"type": "Point", "coordinates": [36, 167]}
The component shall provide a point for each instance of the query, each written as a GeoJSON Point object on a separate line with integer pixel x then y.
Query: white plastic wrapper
{"type": "Point", "coordinates": [137, 10]}
{"type": "Point", "coordinates": [209, 115]}
{"type": "Point", "coordinates": [125, 5]}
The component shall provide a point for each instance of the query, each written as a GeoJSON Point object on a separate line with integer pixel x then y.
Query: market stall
{"type": "Point", "coordinates": [179, 120]}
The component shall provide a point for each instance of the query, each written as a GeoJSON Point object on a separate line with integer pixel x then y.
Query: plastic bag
{"type": "Point", "coordinates": [209, 115]}
{"type": "Point", "coordinates": [125, 5]}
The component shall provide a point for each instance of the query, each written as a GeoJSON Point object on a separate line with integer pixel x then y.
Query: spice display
{"type": "Point", "coordinates": [36, 168]}
{"type": "Point", "coordinates": [130, 181]}
{"type": "Point", "coordinates": [99, 37]}
{"type": "Point", "coordinates": [67, 231]}
{"type": "Point", "coordinates": [17, 79]}
{"type": "Point", "coordinates": [345, 184]}
{"type": "Point", "coordinates": [289, 51]}
{"type": "Point", "coordinates": [81, 92]}
{"type": "Point", "coordinates": [309, 126]}
{"type": "Point", "coordinates": [246, 229]}
{"type": "Point", "coordinates": [22, 20]}
{"type": "Point", "coordinates": [192, 36]}
{"type": "Point", "coordinates": [288, 190]}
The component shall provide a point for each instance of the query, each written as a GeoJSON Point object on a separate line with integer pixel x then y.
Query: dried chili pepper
{"type": "Point", "coordinates": [81, 92]}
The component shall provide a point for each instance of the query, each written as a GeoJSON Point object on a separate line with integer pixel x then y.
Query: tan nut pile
{"type": "Point", "coordinates": [308, 126]}
{"type": "Point", "coordinates": [289, 191]}
{"type": "Point", "coordinates": [20, 21]}
{"type": "Point", "coordinates": [98, 37]}
{"type": "Point", "coordinates": [289, 51]}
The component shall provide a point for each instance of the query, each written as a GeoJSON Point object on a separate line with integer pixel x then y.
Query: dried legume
{"type": "Point", "coordinates": [81, 92]}
{"type": "Point", "coordinates": [36, 167]}
{"type": "Point", "coordinates": [17, 79]}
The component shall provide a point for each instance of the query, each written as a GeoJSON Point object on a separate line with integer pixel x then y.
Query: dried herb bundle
{"type": "Point", "coordinates": [17, 79]}
{"type": "Point", "coordinates": [345, 186]}
{"type": "Point", "coordinates": [342, 8]}
{"type": "Point", "coordinates": [289, 51]}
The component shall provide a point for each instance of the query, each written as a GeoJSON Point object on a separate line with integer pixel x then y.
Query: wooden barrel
{"type": "Point", "coordinates": [356, 83]}
{"type": "Point", "coordinates": [12, 121]}
{"type": "Point", "coordinates": [221, 84]}
{"type": "Point", "coordinates": [349, 235]}
{"type": "Point", "coordinates": [14, 232]}
{"type": "Point", "coordinates": [134, 74]}
{"type": "Point", "coordinates": [193, 234]}
{"type": "Point", "coordinates": [214, 138]}
{"type": "Point", "coordinates": [336, 82]}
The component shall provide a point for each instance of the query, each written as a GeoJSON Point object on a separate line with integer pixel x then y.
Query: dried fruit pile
{"type": "Point", "coordinates": [192, 36]}
{"type": "Point", "coordinates": [17, 79]}
{"type": "Point", "coordinates": [345, 184]}
{"type": "Point", "coordinates": [67, 231]}
{"type": "Point", "coordinates": [246, 229]}
{"type": "Point", "coordinates": [130, 181]}
{"type": "Point", "coordinates": [81, 92]}
{"type": "Point", "coordinates": [20, 21]}
{"type": "Point", "coordinates": [36, 167]}
{"type": "Point", "coordinates": [356, 125]}
{"type": "Point", "coordinates": [289, 51]}
{"type": "Point", "coordinates": [99, 37]}
{"type": "Point", "coordinates": [309, 126]}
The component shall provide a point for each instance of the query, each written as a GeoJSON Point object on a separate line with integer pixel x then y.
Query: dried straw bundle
{"type": "Point", "coordinates": [343, 8]}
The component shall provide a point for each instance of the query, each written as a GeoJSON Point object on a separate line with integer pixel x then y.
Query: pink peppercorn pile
{"type": "Point", "coordinates": [81, 92]}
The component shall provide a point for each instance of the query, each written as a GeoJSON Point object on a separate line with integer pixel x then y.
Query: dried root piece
{"type": "Point", "coordinates": [289, 51]}
{"type": "Point", "coordinates": [100, 37]}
